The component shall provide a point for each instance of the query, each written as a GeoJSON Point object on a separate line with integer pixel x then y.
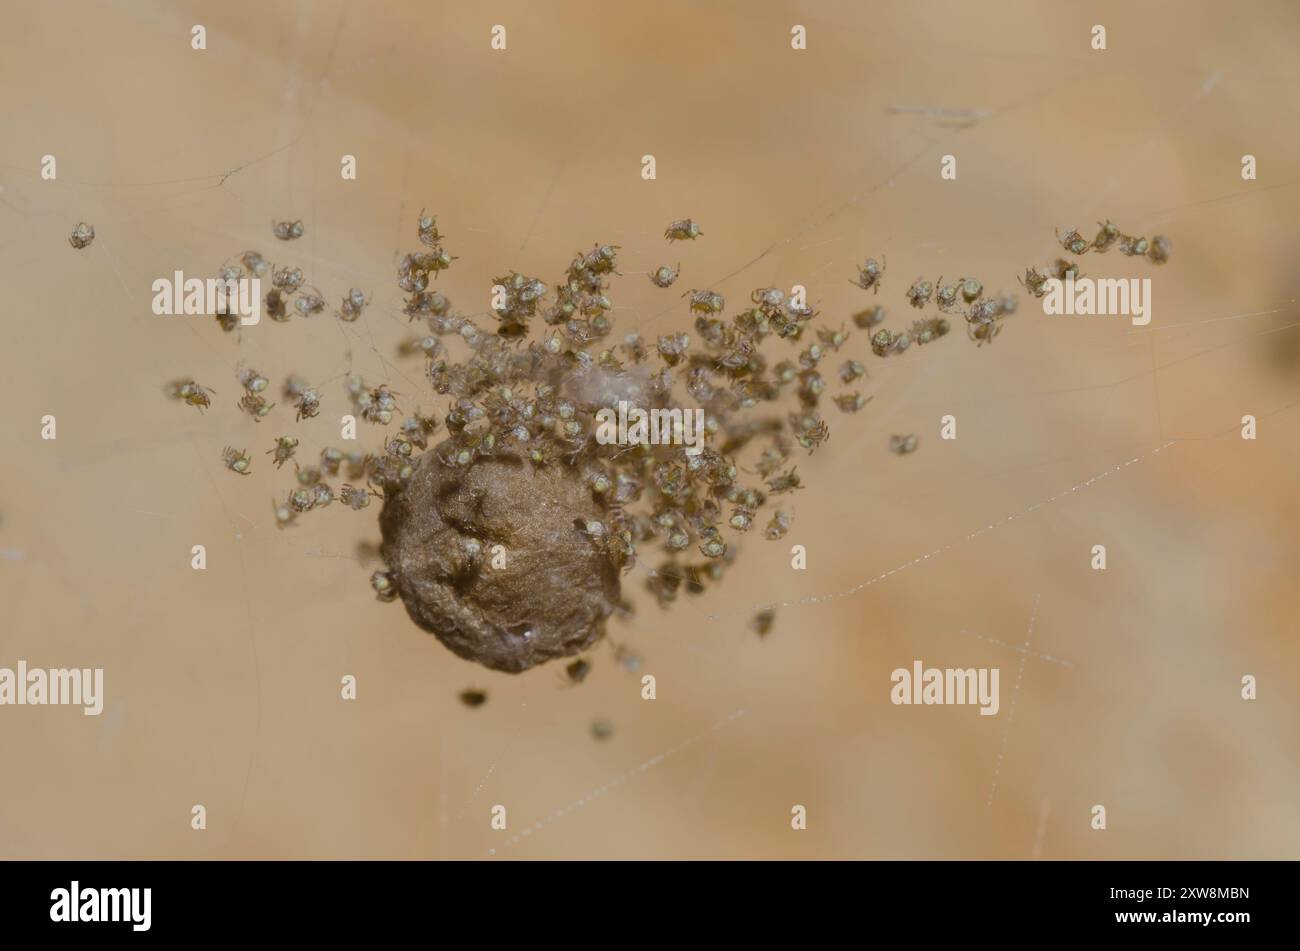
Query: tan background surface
{"type": "Point", "coordinates": [223, 685]}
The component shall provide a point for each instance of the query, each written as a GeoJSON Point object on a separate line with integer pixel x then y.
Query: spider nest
{"type": "Point", "coordinates": [509, 540]}
{"type": "Point", "coordinates": [509, 535]}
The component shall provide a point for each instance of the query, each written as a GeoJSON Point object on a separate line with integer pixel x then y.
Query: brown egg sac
{"type": "Point", "coordinates": [544, 593]}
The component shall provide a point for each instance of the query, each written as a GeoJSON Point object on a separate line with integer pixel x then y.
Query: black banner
{"type": "Point", "coordinates": [977, 900]}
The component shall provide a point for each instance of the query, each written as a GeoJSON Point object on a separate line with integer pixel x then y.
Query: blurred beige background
{"type": "Point", "coordinates": [223, 685]}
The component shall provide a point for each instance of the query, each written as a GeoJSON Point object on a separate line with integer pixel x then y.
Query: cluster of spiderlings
{"type": "Point", "coordinates": [426, 305]}
{"type": "Point", "coordinates": [414, 269]}
{"type": "Point", "coordinates": [287, 279]}
{"type": "Point", "coordinates": [582, 304]}
{"type": "Point", "coordinates": [533, 393]}
{"type": "Point", "coordinates": [951, 297]}
{"type": "Point", "coordinates": [885, 341]}
{"type": "Point", "coordinates": [312, 491]}
{"type": "Point", "coordinates": [983, 320]}
{"type": "Point", "coordinates": [929, 329]}
{"type": "Point", "coordinates": [1035, 281]}
{"type": "Point", "coordinates": [389, 470]}
{"type": "Point", "coordinates": [1108, 236]}
{"type": "Point", "coordinates": [964, 297]}
{"type": "Point", "coordinates": [515, 300]}
{"type": "Point", "coordinates": [253, 402]}
{"type": "Point", "coordinates": [373, 404]}
{"type": "Point", "coordinates": [850, 372]}
{"type": "Point", "coordinates": [417, 429]}
{"type": "Point", "coordinates": [773, 313]}
{"type": "Point", "coordinates": [383, 470]}
{"type": "Point", "coordinates": [983, 314]}
{"type": "Point", "coordinates": [287, 294]}
{"type": "Point", "coordinates": [280, 300]}
{"type": "Point", "coordinates": [354, 498]}
{"type": "Point", "coordinates": [285, 282]}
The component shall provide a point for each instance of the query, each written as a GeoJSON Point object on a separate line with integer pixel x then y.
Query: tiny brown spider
{"type": "Point", "coordinates": [683, 230]}
{"type": "Point", "coordinates": [287, 230]}
{"type": "Point", "coordinates": [191, 393]}
{"type": "Point", "coordinates": [237, 460]}
{"type": "Point", "coordinates": [283, 450]}
{"type": "Point", "coordinates": [869, 275]}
